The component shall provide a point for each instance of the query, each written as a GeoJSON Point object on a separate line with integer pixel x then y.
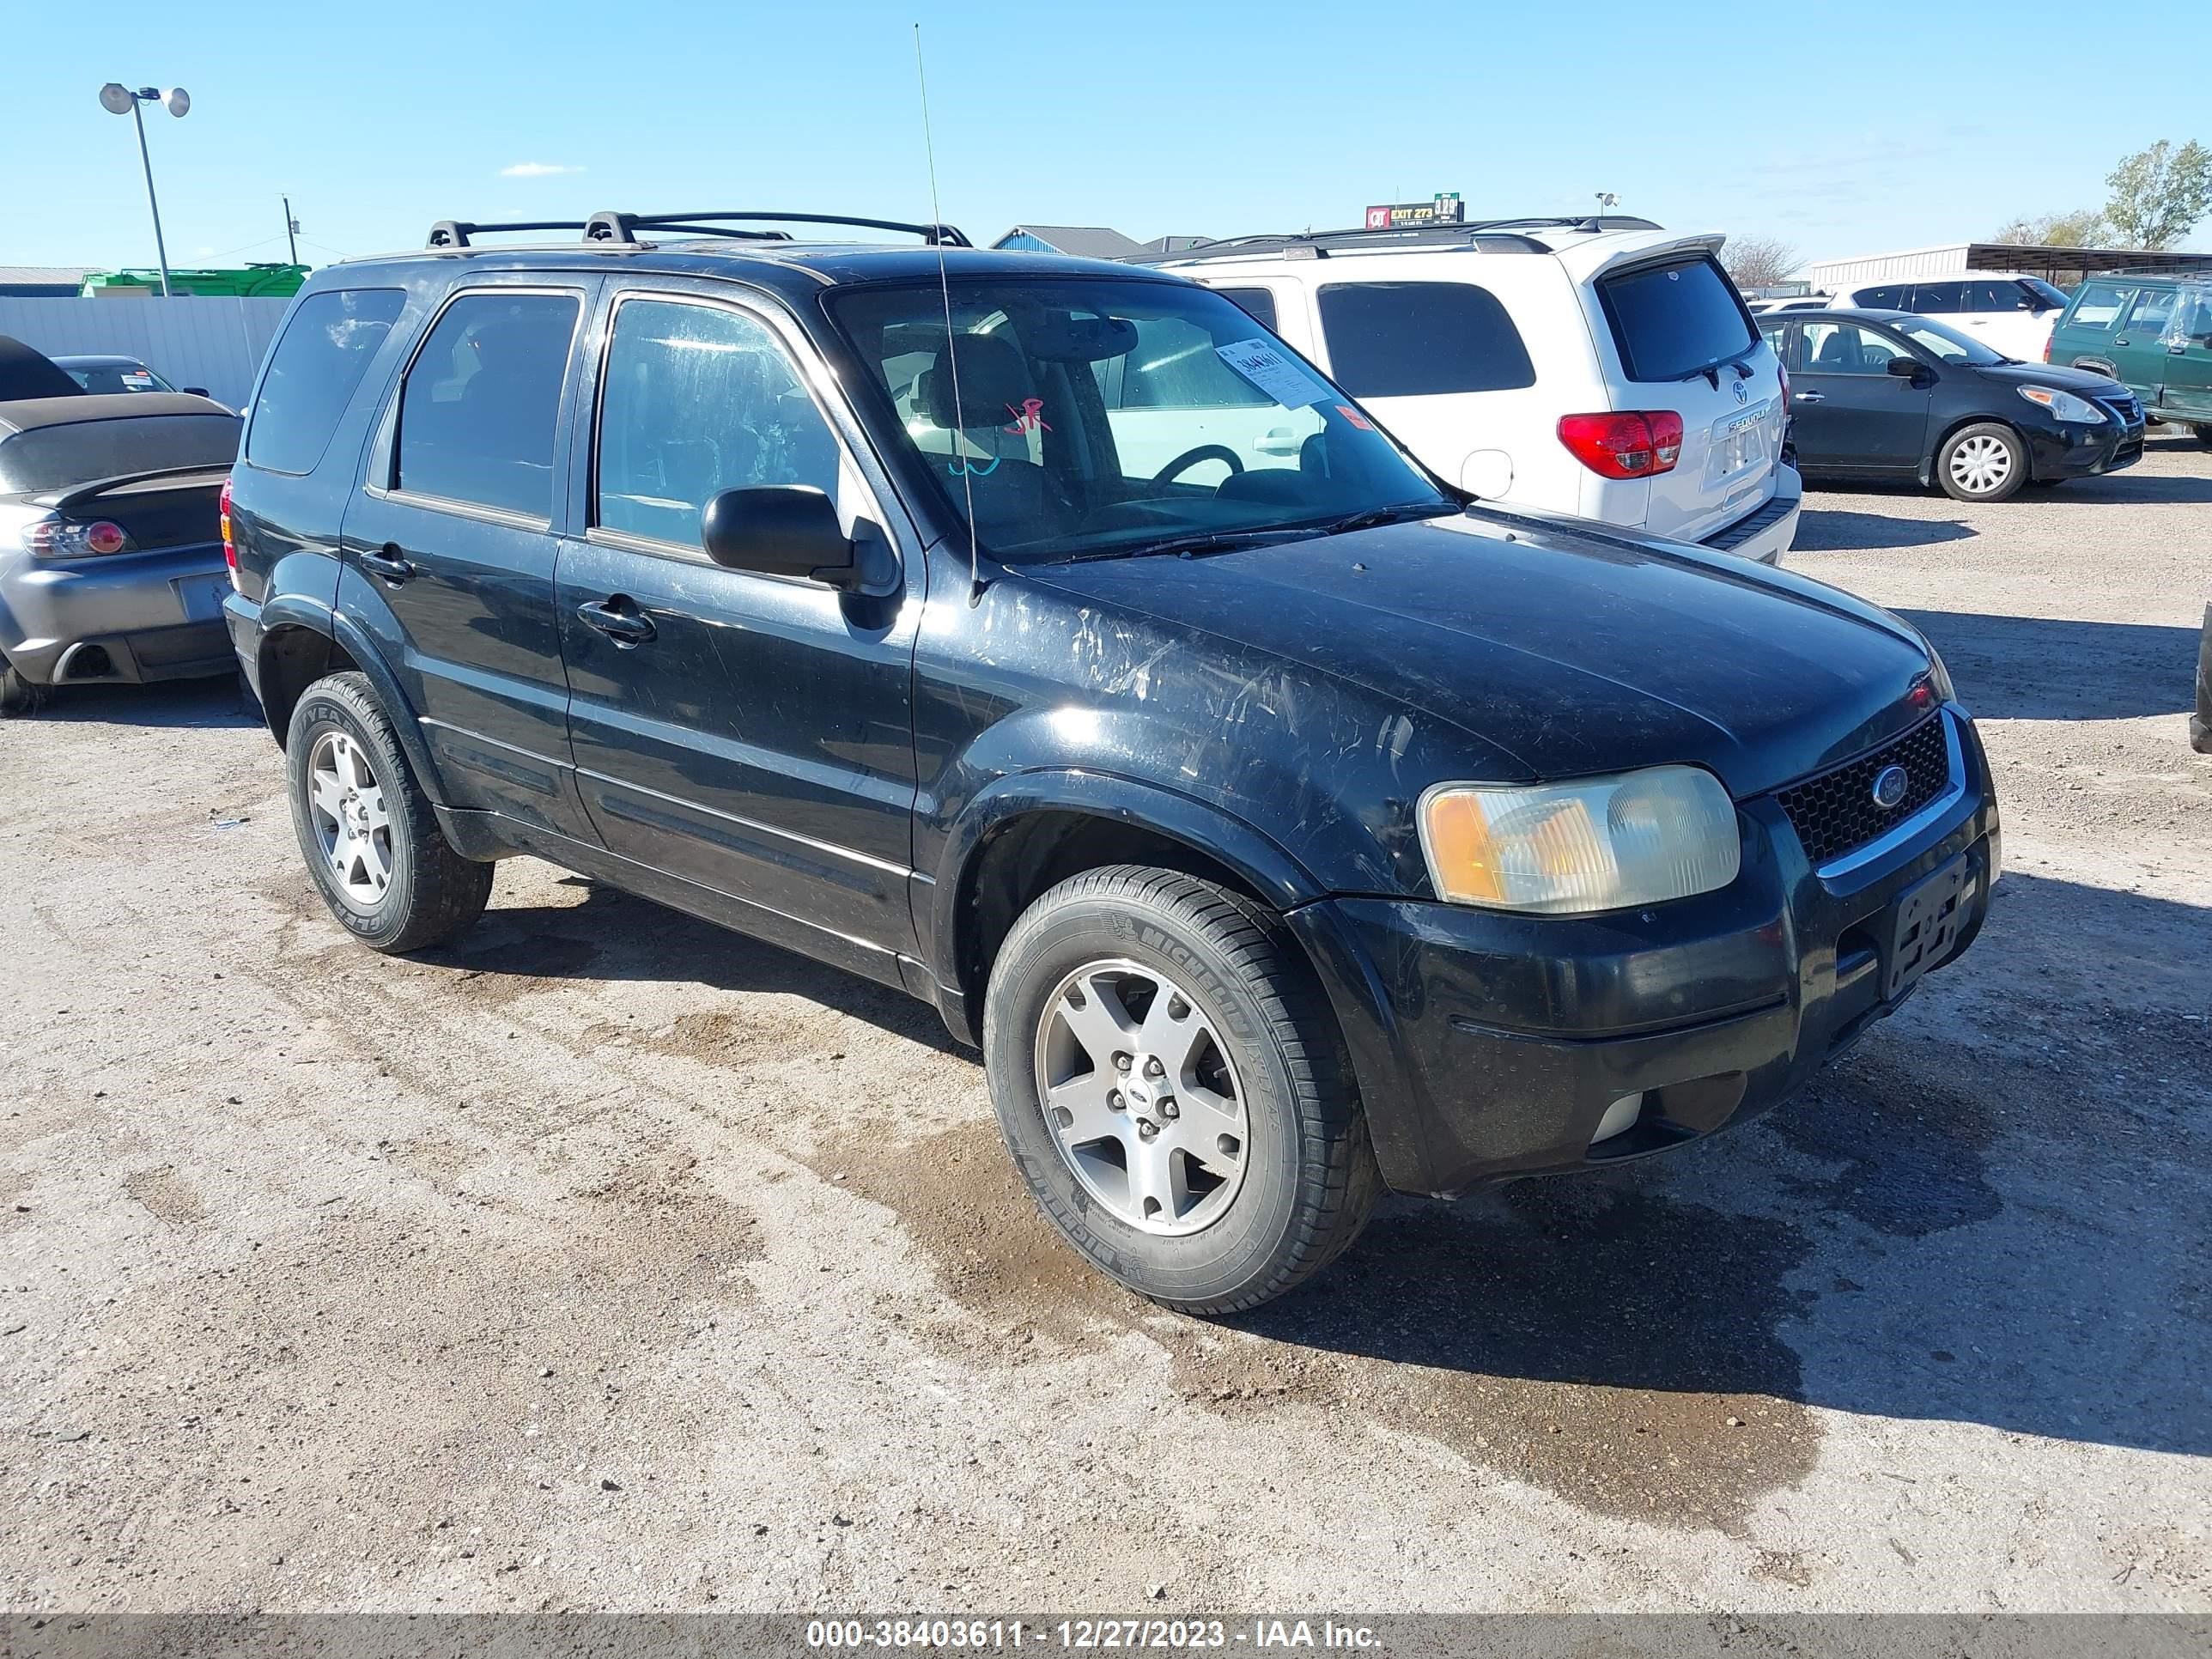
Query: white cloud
{"type": "Point", "coordinates": [535, 170]}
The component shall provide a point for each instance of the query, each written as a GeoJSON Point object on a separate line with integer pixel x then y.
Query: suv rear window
{"type": "Point", "coordinates": [1421, 339]}
{"type": "Point", "coordinates": [1670, 321]}
{"type": "Point", "coordinates": [325, 349]}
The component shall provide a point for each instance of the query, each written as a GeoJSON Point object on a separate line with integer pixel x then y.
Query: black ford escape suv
{"type": "Point", "coordinates": [1045, 638]}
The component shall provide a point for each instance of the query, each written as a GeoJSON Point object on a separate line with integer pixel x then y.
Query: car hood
{"type": "Point", "coordinates": [2079, 380]}
{"type": "Point", "coordinates": [1570, 650]}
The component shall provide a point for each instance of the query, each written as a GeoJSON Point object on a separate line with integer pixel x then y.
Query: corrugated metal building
{"type": "Point", "coordinates": [2062, 265]}
{"type": "Point", "coordinates": [209, 342]}
{"type": "Point", "coordinates": [43, 282]}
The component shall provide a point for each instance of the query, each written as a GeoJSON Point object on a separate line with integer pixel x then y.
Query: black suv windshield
{"type": "Point", "coordinates": [1095, 416]}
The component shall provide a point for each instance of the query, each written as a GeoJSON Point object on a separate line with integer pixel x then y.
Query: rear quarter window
{"type": "Point", "coordinates": [1421, 339]}
{"type": "Point", "coordinates": [1672, 320]}
{"type": "Point", "coordinates": [313, 372]}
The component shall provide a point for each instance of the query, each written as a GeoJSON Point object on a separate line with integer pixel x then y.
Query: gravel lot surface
{"type": "Point", "coordinates": [608, 1260]}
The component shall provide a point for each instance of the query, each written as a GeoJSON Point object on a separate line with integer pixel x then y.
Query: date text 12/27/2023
{"type": "Point", "coordinates": [1162, 1635]}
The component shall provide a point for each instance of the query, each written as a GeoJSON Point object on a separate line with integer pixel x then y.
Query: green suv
{"type": "Point", "coordinates": [2154, 333]}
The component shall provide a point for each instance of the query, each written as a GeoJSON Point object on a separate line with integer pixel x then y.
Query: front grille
{"type": "Point", "coordinates": [1835, 813]}
{"type": "Point", "coordinates": [2125, 405]}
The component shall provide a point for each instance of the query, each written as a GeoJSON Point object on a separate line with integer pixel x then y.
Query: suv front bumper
{"type": "Point", "coordinates": [1490, 1045]}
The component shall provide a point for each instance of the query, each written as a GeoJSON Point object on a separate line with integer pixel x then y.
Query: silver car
{"type": "Point", "coordinates": [111, 563]}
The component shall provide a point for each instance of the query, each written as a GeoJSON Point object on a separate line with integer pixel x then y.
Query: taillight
{"type": "Point", "coordinates": [1626, 444]}
{"type": "Point", "coordinates": [2046, 345]}
{"type": "Point", "coordinates": [54, 537]}
{"type": "Point", "coordinates": [229, 547]}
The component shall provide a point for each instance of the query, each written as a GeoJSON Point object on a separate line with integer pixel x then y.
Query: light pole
{"type": "Point", "coordinates": [117, 100]}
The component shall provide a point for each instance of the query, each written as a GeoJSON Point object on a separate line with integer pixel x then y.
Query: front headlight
{"type": "Point", "coordinates": [1594, 844]}
{"type": "Point", "coordinates": [2064, 405]}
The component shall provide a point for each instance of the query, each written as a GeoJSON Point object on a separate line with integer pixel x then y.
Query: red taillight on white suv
{"type": "Point", "coordinates": [229, 547]}
{"type": "Point", "coordinates": [2046, 345]}
{"type": "Point", "coordinates": [1625, 444]}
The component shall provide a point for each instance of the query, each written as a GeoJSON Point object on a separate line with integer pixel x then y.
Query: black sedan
{"type": "Point", "coordinates": [1886, 394]}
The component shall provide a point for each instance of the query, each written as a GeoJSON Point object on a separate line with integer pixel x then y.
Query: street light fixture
{"type": "Point", "coordinates": [118, 100]}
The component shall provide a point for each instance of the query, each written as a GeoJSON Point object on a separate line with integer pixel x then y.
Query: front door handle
{"type": "Point", "coordinates": [388, 563]}
{"type": "Point", "coordinates": [614, 618]}
{"type": "Point", "coordinates": [1812, 398]}
{"type": "Point", "coordinates": [2122, 341]}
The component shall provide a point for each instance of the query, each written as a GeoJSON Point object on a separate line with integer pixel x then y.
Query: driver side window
{"type": "Point", "coordinates": [699, 399]}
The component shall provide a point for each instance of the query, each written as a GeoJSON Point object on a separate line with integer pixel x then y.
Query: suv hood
{"type": "Point", "coordinates": [1573, 651]}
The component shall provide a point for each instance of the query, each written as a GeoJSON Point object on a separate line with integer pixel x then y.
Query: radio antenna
{"type": "Point", "coordinates": [952, 353]}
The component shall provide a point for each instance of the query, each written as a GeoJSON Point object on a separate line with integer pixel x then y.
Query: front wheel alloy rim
{"type": "Point", "coordinates": [1981, 465]}
{"type": "Point", "coordinates": [1141, 1098]}
{"type": "Point", "coordinates": [345, 803]}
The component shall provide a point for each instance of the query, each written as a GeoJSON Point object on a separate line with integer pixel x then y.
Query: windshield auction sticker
{"type": "Point", "coordinates": [1263, 364]}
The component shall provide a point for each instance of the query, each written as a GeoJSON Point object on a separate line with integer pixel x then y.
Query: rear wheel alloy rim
{"type": "Point", "coordinates": [1141, 1098]}
{"type": "Point", "coordinates": [345, 805]}
{"type": "Point", "coordinates": [1981, 465]}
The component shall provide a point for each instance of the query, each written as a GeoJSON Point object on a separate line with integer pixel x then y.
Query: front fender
{"type": "Point", "coordinates": [1255, 859]}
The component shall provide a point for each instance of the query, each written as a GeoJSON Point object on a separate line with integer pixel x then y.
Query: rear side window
{"type": "Point", "coordinates": [1938, 299]}
{"type": "Point", "coordinates": [477, 414]}
{"type": "Point", "coordinates": [312, 374]}
{"type": "Point", "coordinates": [1258, 303]}
{"type": "Point", "coordinates": [698, 400]}
{"type": "Point", "coordinates": [1672, 320]}
{"type": "Point", "coordinates": [1889, 297]}
{"type": "Point", "coordinates": [2100, 305]}
{"type": "Point", "coordinates": [1421, 339]}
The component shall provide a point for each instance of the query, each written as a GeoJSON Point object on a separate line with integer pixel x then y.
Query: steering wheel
{"type": "Point", "coordinates": [1191, 457]}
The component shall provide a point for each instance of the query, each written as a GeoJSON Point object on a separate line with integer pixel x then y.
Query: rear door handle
{"type": "Point", "coordinates": [1812, 398]}
{"type": "Point", "coordinates": [388, 563]}
{"type": "Point", "coordinates": [614, 618]}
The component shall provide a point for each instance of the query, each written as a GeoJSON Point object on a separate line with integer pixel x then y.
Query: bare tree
{"type": "Point", "coordinates": [2080, 229]}
{"type": "Point", "coordinates": [2158, 194]}
{"type": "Point", "coordinates": [1759, 261]}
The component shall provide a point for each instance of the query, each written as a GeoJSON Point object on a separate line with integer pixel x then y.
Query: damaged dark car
{"type": "Point", "coordinates": [1045, 639]}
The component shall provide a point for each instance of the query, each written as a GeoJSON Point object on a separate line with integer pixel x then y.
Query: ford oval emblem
{"type": "Point", "coordinates": [1742, 396]}
{"type": "Point", "coordinates": [1889, 786]}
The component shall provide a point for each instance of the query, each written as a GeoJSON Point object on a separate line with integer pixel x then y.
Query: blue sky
{"type": "Point", "coordinates": [1800, 122]}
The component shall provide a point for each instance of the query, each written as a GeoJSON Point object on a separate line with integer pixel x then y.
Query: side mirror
{"type": "Point", "coordinates": [1906, 368]}
{"type": "Point", "coordinates": [195, 390]}
{"type": "Point", "coordinates": [778, 529]}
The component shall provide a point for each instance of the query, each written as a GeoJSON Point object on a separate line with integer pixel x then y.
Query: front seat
{"type": "Point", "coordinates": [1838, 354]}
{"type": "Point", "coordinates": [1015, 500]}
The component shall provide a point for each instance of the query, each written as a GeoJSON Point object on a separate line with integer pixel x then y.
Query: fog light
{"type": "Point", "coordinates": [1619, 1117]}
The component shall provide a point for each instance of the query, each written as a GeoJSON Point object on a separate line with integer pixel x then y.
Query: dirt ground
{"type": "Point", "coordinates": [611, 1261]}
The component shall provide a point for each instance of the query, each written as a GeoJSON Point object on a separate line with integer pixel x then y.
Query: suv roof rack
{"type": "Point", "coordinates": [1497, 235]}
{"type": "Point", "coordinates": [622, 227]}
